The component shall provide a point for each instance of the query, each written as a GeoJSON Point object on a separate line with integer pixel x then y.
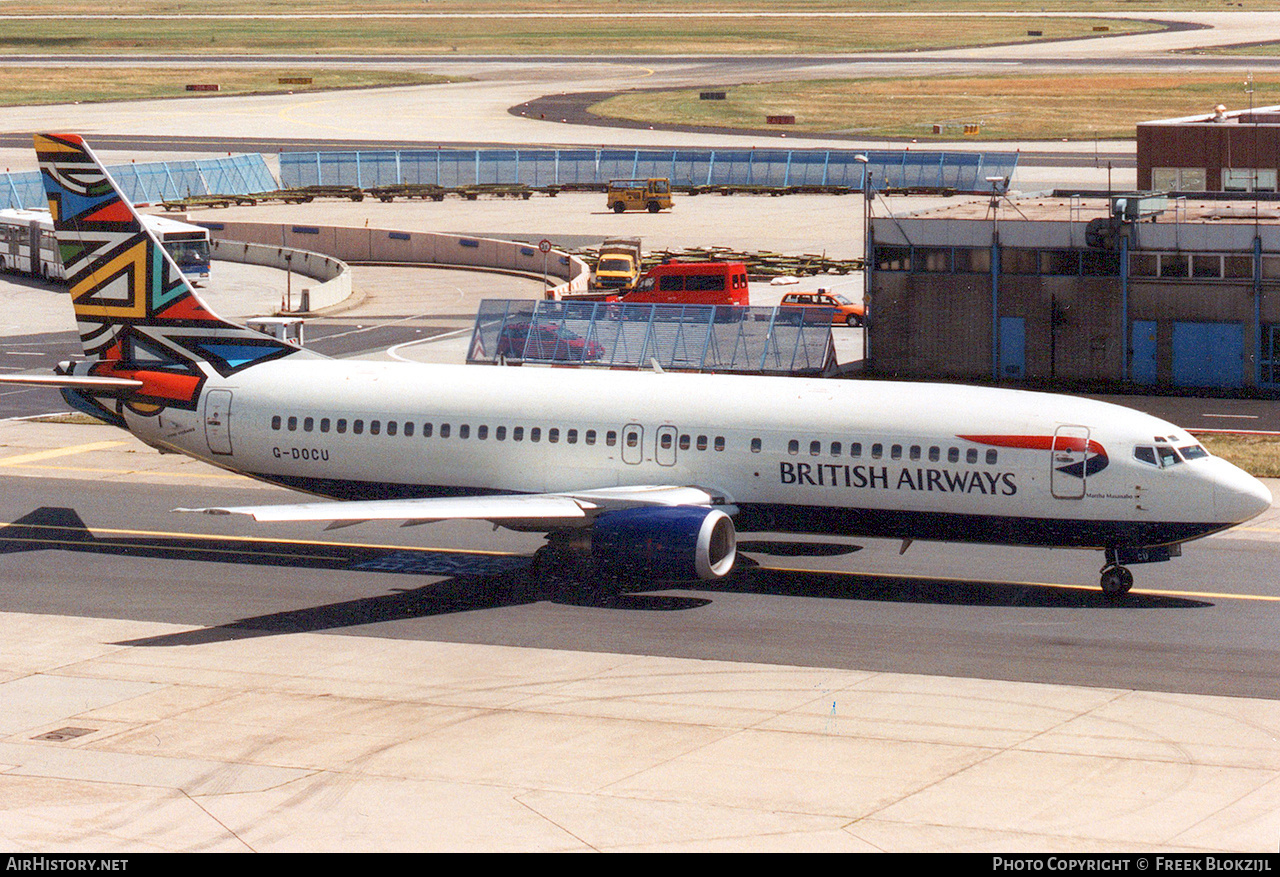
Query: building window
{"type": "Point", "coordinates": [973, 260]}
{"type": "Point", "coordinates": [1015, 260]}
{"type": "Point", "coordinates": [1175, 265]}
{"type": "Point", "coordinates": [1245, 179]}
{"type": "Point", "coordinates": [1178, 179]}
{"type": "Point", "coordinates": [1059, 262]}
{"type": "Point", "coordinates": [1237, 267]}
{"type": "Point", "coordinates": [1099, 263]}
{"type": "Point", "coordinates": [934, 260]}
{"type": "Point", "coordinates": [1143, 264]}
{"type": "Point", "coordinates": [893, 258]}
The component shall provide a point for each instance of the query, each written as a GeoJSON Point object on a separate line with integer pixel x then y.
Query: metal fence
{"type": "Point", "coordinates": [158, 181]}
{"type": "Point", "coordinates": [753, 340]}
{"type": "Point", "coordinates": [452, 168]}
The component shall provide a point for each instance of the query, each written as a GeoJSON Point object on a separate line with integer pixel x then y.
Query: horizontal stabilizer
{"type": "Point", "coordinates": [72, 382]}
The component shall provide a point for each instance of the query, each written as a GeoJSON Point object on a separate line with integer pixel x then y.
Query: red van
{"type": "Point", "coordinates": [691, 283]}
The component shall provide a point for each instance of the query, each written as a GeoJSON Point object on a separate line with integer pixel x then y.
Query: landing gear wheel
{"type": "Point", "coordinates": [1116, 581]}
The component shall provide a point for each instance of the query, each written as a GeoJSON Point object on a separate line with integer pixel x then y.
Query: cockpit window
{"type": "Point", "coordinates": [1168, 456]}
{"type": "Point", "coordinates": [1193, 452]}
{"type": "Point", "coordinates": [1146, 455]}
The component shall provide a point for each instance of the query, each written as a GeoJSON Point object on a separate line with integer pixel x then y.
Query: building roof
{"type": "Point", "coordinates": [1221, 116]}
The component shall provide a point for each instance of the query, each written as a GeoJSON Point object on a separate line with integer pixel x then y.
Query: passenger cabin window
{"type": "Point", "coordinates": [755, 445]}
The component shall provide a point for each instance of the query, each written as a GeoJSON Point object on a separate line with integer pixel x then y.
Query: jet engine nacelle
{"type": "Point", "coordinates": [675, 542]}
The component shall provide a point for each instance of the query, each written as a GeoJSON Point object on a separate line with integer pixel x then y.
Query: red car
{"type": "Point", "coordinates": [546, 341]}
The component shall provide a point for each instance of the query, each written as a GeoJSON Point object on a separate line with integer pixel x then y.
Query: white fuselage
{"type": "Point", "coordinates": [853, 457]}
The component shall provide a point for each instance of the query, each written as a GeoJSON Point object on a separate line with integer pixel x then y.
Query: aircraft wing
{"type": "Point", "coordinates": [566, 509]}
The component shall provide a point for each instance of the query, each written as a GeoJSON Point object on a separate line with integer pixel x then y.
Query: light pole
{"type": "Point", "coordinates": [866, 256]}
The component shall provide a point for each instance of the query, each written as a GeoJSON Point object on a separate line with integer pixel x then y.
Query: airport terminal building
{"type": "Point", "coordinates": [1152, 292]}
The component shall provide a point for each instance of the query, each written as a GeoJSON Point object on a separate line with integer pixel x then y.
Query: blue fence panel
{"type": "Point", "coordinates": [686, 337]}
{"type": "Point", "coordinates": [496, 166]}
{"type": "Point", "coordinates": [299, 169]}
{"type": "Point", "coordinates": [651, 163]}
{"type": "Point", "coordinates": [22, 191]}
{"type": "Point", "coordinates": [377, 168]}
{"type": "Point", "coordinates": [730, 167]}
{"type": "Point", "coordinates": [419, 168]}
{"type": "Point", "coordinates": [336, 168]}
{"type": "Point", "coordinates": [616, 164]}
{"type": "Point", "coordinates": [966, 171]}
{"type": "Point", "coordinates": [536, 167]}
{"type": "Point", "coordinates": [692, 167]}
{"type": "Point", "coordinates": [157, 181]}
{"type": "Point", "coordinates": [576, 166]}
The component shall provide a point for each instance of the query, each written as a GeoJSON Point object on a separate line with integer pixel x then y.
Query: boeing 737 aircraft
{"type": "Point", "coordinates": [648, 473]}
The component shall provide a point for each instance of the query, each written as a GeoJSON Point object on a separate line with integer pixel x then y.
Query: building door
{"type": "Point", "coordinates": [1013, 348]}
{"type": "Point", "coordinates": [1143, 370]}
{"type": "Point", "coordinates": [1208, 354]}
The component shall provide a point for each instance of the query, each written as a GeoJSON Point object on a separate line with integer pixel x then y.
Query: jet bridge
{"type": "Point", "coordinates": [703, 338]}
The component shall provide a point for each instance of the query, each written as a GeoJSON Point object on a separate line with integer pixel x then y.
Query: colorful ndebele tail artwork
{"type": "Point", "coordinates": [137, 314]}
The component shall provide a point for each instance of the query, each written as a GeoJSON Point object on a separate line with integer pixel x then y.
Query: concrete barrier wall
{"type": "Point", "coordinates": [333, 275]}
{"type": "Point", "coordinates": [387, 245]}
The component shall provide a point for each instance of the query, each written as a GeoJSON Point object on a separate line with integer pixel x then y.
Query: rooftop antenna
{"type": "Point", "coordinates": [1000, 190]}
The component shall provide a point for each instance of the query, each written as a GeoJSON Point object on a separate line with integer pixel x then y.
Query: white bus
{"type": "Point", "coordinates": [27, 244]}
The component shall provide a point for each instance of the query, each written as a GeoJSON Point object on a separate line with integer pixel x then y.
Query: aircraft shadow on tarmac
{"type": "Point", "coordinates": [467, 582]}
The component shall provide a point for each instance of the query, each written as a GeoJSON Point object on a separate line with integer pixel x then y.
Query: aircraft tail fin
{"type": "Point", "coordinates": [134, 307]}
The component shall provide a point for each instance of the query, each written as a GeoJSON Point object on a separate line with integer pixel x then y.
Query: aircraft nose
{"type": "Point", "coordinates": [1238, 496]}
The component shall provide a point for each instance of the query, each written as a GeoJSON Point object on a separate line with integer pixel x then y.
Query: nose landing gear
{"type": "Point", "coordinates": [1116, 581]}
{"type": "Point", "coordinates": [1116, 578]}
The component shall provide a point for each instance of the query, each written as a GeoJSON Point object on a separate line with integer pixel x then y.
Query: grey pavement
{"type": "Point", "coordinates": [111, 742]}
